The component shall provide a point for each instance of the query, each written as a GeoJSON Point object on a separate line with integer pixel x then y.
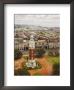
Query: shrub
{"type": "Point", "coordinates": [17, 54]}
{"type": "Point", "coordinates": [53, 52]}
{"type": "Point", "coordinates": [40, 52]}
{"type": "Point", "coordinates": [21, 72]}
{"type": "Point", "coordinates": [56, 69]}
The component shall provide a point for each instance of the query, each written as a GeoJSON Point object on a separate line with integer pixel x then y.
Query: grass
{"type": "Point", "coordinates": [38, 74]}
{"type": "Point", "coordinates": [53, 59]}
{"type": "Point", "coordinates": [56, 64]}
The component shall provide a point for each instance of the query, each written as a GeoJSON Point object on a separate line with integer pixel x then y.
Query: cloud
{"type": "Point", "coordinates": [42, 20]}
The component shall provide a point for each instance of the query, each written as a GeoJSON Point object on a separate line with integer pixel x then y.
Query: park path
{"type": "Point", "coordinates": [46, 69]}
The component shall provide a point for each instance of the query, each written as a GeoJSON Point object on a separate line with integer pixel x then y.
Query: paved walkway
{"type": "Point", "coordinates": [46, 67]}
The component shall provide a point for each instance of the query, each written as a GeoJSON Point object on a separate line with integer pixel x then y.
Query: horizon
{"type": "Point", "coordinates": [36, 25]}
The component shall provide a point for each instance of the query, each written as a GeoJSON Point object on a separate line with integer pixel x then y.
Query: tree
{"type": "Point", "coordinates": [56, 69]}
{"type": "Point", "coordinates": [17, 54]}
{"type": "Point", "coordinates": [40, 52]}
{"type": "Point", "coordinates": [21, 72]}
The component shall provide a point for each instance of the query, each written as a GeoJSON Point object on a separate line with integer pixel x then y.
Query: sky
{"type": "Point", "coordinates": [50, 20]}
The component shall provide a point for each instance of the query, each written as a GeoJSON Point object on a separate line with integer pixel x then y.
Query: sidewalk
{"type": "Point", "coordinates": [46, 67]}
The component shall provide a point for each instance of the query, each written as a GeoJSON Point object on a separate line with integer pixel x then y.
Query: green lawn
{"type": "Point", "coordinates": [53, 59]}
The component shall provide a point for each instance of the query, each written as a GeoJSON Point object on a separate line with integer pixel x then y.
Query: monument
{"type": "Point", "coordinates": [31, 61]}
